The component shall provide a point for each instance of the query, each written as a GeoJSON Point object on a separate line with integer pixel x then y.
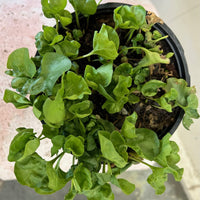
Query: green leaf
{"type": "Point", "coordinates": [100, 192]}
{"type": "Point", "coordinates": [168, 155]}
{"type": "Point", "coordinates": [146, 144]}
{"type": "Point", "coordinates": [58, 142]}
{"type": "Point", "coordinates": [49, 33]}
{"type": "Point", "coordinates": [109, 152]}
{"type": "Point", "coordinates": [82, 109]}
{"type": "Point", "coordinates": [112, 34]}
{"type": "Point", "coordinates": [52, 7]}
{"type": "Point", "coordinates": [100, 76]}
{"type": "Point", "coordinates": [49, 132]}
{"type": "Point", "coordinates": [124, 69]}
{"type": "Point", "coordinates": [128, 127]}
{"type": "Point", "coordinates": [120, 92]}
{"type": "Point", "coordinates": [56, 39]}
{"type": "Point", "coordinates": [65, 17]}
{"type": "Point", "coordinates": [68, 48]}
{"type": "Point", "coordinates": [167, 158]}
{"type": "Point", "coordinates": [38, 106]}
{"type": "Point", "coordinates": [141, 75]}
{"type": "Point", "coordinates": [70, 196]}
{"type": "Point", "coordinates": [18, 100]}
{"type": "Point", "coordinates": [51, 107]}
{"type": "Point", "coordinates": [150, 58]}
{"type": "Point", "coordinates": [82, 179]}
{"type": "Point", "coordinates": [186, 99]}
{"type": "Point", "coordinates": [103, 45]}
{"type": "Point", "coordinates": [75, 145]}
{"type": "Point", "coordinates": [133, 99]}
{"type": "Point", "coordinates": [129, 17]}
{"type": "Point", "coordinates": [165, 100]}
{"type": "Point", "coordinates": [42, 45]}
{"type": "Point", "coordinates": [31, 172]}
{"type": "Point", "coordinates": [57, 178]}
{"type": "Point", "coordinates": [85, 7]}
{"type": "Point", "coordinates": [102, 178]}
{"type": "Point", "coordinates": [75, 86]}
{"type": "Point", "coordinates": [52, 67]}
{"type": "Point", "coordinates": [157, 179]}
{"type": "Point", "coordinates": [21, 64]}
{"type": "Point", "coordinates": [119, 144]}
{"type": "Point", "coordinates": [21, 84]}
{"type": "Point", "coordinates": [17, 146]}
{"type": "Point", "coordinates": [125, 186]}
{"type": "Point", "coordinates": [30, 147]}
{"type": "Point", "coordinates": [151, 87]}
{"type": "Point", "coordinates": [122, 86]}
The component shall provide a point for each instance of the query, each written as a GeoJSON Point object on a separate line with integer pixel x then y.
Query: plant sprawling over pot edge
{"type": "Point", "coordinates": [99, 86]}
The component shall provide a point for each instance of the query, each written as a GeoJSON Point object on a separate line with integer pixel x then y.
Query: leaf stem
{"type": "Point", "coordinates": [104, 167]}
{"type": "Point", "coordinates": [84, 56]}
{"type": "Point", "coordinates": [140, 161]}
{"type": "Point", "coordinates": [73, 160]}
{"type": "Point", "coordinates": [58, 162]}
{"type": "Point", "coordinates": [40, 136]}
{"type": "Point", "coordinates": [77, 20]}
{"type": "Point", "coordinates": [130, 35]}
{"type": "Point", "coordinates": [60, 155]}
{"type": "Point", "coordinates": [57, 25]}
{"type": "Point", "coordinates": [99, 2]}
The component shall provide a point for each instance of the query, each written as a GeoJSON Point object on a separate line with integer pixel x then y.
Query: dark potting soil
{"type": "Point", "coordinates": [149, 116]}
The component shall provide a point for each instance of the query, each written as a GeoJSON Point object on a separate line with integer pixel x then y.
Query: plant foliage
{"type": "Point", "coordinates": [62, 97]}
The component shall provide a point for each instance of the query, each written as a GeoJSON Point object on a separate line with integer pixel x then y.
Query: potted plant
{"type": "Point", "coordinates": [108, 85]}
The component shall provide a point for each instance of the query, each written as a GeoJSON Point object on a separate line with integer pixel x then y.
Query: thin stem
{"type": "Point", "coordinates": [57, 25]}
{"type": "Point", "coordinates": [58, 162]}
{"type": "Point", "coordinates": [73, 160]}
{"type": "Point", "coordinates": [88, 20]}
{"type": "Point", "coordinates": [130, 35]}
{"type": "Point", "coordinates": [84, 56]}
{"type": "Point", "coordinates": [99, 2]}
{"type": "Point", "coordinates": [140, 161]}
{"type": "Point", "coordinates": [40, 136]}
{"type": "Point", "coordinates": [104, 167]}
{"type": "Point", "coordinates": [77, 20]}
{"type": "Point", "coordinates": [61, 154]}
{"type": "Point", "coordinates": [43, 138]}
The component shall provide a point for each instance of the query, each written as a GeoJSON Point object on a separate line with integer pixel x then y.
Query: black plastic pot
{"type": "Point", "coordinates": [174, 45]}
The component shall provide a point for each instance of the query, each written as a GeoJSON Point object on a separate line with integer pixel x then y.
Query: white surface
{"type": "Point", "coordinates": [183, 16]}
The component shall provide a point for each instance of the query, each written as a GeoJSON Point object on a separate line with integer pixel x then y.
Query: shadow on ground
{"type": "Point", "coordinates": [12, 190]}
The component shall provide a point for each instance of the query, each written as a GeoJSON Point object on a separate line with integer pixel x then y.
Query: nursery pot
{"type": "Point", "coordinates": [173, 44]}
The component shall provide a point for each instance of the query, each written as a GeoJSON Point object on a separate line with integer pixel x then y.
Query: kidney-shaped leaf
{"type": "Point", "coordinates": [75, 86]}
{"type": "Point", "coordinates": [85, 7]}
{"type": "Point", "coordinates": [53, 66]}
{"type": "Point", "coordinates": [100, 76]}
{"type": "Point", "coordinates": [21, 64]}
{"type": "Point", "coordinates": [129, 17]}
{"type": "Point", "coordinates": [52, 7]}
{"type": "Point", "coordinates": [151, 87]}
{"type": "Point", "coordinates": [104, 45]}
{"type": "Point", "coordinates": [109, 152]}
{"type": "Point", "coordinates": [128, 127]}
{"type": "Point", "coordinates": [31, 172]}
{"type": "Point", "coordinates": [146, 144]}
{"type": "Point", "coordinates": [18, 100]}
{"type": "Point", "coordinates": [18, 143]}
{"type": "Point", "coordinates": [57, 178]}
{"type": "Point", "coordinates": [68, 48]}
{"type": "Point", "coordinates": [74, 145]}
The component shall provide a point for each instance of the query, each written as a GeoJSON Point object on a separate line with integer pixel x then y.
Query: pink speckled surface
{"type": "Point", "coordinates": [20, 20]}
